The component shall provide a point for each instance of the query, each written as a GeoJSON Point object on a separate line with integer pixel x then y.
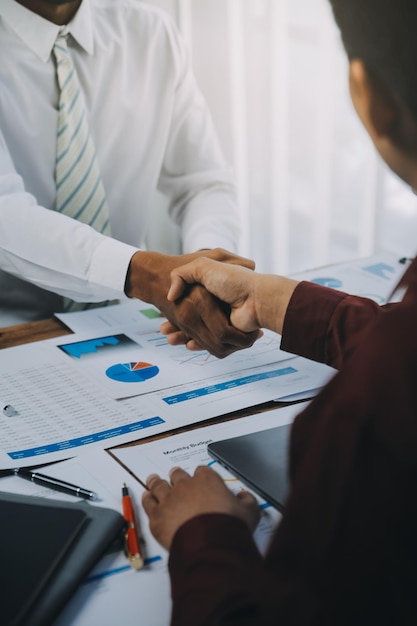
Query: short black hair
{"type": "Point", "coordinates": [382, 34]}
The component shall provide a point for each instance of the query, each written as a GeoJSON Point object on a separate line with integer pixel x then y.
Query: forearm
{"type": "Point", "coordinates": [53, 251]}
{"type": "Point", "coordinates": [326, 325]}
{"type": "Point", "coordinates": [59, 254]}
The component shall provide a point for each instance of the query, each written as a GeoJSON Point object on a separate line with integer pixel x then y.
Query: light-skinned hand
{"type": "Point", "coordinates": [256, 300]}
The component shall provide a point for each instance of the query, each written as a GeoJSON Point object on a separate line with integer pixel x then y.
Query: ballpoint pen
{"type": "Point", "coordinates": [9, 411]}
{"type": "Point", "coordinates": [132, 540]}
{"type": "Point", "coordinates": [54, 483]}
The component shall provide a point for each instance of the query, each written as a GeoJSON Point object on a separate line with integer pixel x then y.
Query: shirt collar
{"type": "Point", "coordinates": [40, 34]}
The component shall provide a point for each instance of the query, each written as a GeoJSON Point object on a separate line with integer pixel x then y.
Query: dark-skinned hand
{"type": "Point", "coordinates": [170, 504]}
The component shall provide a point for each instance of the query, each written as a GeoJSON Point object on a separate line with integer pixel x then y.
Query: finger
{"type": "Point", "coordinates": [201, 318]}
{"type": "Point", "coordinates": [177, 288]}
{"type": "Point", "coordinates": [251, 506]}
{"type": "Point", "coordinates": [177, 474]}
{"type": "Point", "coordinates": [208, 473]}
{"type": "Point", "coordinates": [149, 503]}
{"type": "Point", "coordinates": [248, 499]}
{"type": "Point", "coordinates": [248, 263]}
{"type": "Point", "coordinates": [212, 480]}
{"type": "Point", "coordinates": [167, 328]}
{"type": "Point", "coordinates": [234, 339]}
{"type": "Point", "coordinates": [215, 322]}
{"type": "Point", "coordinates": [223, 351]}
{"type": "Point", "coordinates": [229, 257]}
{"type": "Point", "coordinates": [180, 338]}
{"type": "Point", "coordinates": [194, 345]}
{"type": "Point", "coordinates": [221, 347]}
{"type": "Point", "coordinates": [207, 325]}
{"type": "Point", "coordinates": [185, 275]}
{"type": "Point", "coordinates": [152, 478]}
{"type": "Point", "coordinates": [221, 339]}
{"type": "Point", "coordinates": [177, 337]}
{"type": "Point", "coordinates": [157, 486]}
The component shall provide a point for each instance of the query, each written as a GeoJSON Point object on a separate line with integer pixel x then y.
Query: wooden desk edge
{"type": "Point", "coordinates": [32, 331]}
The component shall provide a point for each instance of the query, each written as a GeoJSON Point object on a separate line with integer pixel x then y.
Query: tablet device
{"type": "Point", "coordinates": [33, 542]}
{"type": "Point", "coordinates": [260, 460]}
{"type": "Point", "coordinates": [47, 548]}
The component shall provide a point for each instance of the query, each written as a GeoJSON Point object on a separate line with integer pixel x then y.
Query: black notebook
{"type": "Point", "coordinates": [46, 549]}
{"type": "Point", "coordinates": [260, 460]}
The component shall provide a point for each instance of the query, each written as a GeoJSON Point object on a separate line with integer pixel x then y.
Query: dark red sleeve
{"type": "Point", "coordinates": [345, 551]}
{"type": "Point", "coordinates": [325, 325]}
{"type": "Point", "coordinates": [214, 567]}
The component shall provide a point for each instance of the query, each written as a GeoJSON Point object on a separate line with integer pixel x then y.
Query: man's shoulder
{"type": "Point", "coordinates": [135, 8]}
{"type": "Point", "coordinates": [136, 24]}
{"type": "Point", "coordinates": [136, 21]}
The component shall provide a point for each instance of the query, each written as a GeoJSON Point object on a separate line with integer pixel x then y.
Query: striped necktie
{"type": "Point", "coordinates": [79, 188]}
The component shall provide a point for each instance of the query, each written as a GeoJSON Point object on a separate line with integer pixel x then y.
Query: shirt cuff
{"type": "Point", "coordinates": [110, 264]}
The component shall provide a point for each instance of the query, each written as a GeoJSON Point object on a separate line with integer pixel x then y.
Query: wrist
{"type": "Point", "coordinates": [144, 276]}
{"type": "Point", "coordinates": [272, 297]}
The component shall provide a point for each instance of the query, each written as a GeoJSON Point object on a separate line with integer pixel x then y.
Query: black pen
{"type": "Point", "coordinates": [9, 411]}
{"type": "Point", "coordinates": [55, 483]}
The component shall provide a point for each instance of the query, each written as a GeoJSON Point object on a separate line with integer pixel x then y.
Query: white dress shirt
{"type": "Point", "coordinates": [152, 131]}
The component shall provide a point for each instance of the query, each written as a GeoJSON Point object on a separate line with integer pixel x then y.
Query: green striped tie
{"type": "Point", "coordinates": [79, 189]}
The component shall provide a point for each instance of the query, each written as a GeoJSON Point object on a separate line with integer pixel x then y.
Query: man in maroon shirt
{"type": "Point", "coordinates": [345, 551]}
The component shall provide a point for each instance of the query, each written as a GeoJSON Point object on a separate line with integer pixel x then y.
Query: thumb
{"type": "Point", "coordinates": [251, 508]}
{"type": "Point", "coordinates": [184, 275]}
{"type": "Point", "coordinates": [177, 288]}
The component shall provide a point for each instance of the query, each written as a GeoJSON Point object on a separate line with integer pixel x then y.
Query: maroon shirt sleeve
{"type": "Point", "coordinates": [345, 551]}
{"type": "Point", "coordinates": [325, 325]}
{"type": "Point", "coordinates": [214, 565]}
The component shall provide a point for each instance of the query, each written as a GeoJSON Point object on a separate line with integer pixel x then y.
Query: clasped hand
{"type": "Point", "coordinates": [196, 317]}
{"type": "Point", "coordinates": [254, 300]}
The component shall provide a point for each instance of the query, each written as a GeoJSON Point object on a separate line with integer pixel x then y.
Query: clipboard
{"type": "Point", "coordinates": [47, 547]}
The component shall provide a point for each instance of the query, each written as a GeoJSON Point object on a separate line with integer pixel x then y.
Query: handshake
{"type": "Point", "coordinates": [213, 299]}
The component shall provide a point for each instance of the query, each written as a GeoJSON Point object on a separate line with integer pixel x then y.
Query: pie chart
{"type": "Point", "coordinates": [136, 372]}
{"type": "Point", "coordinates": [334, 283]}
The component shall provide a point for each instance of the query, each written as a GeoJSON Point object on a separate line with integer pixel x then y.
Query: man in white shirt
{"type": "Point", "coordinates": [151, 130]}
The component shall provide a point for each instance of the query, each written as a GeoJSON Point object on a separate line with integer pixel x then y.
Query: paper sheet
{"type": "Point", "coordinates": [130, 362]}
{"type": "Point", "coordinates": [132, 313]}
{"type": "Point", "coordinates": [60, 412]}
{"type": "Point", "coordinates": [372, 277]}
{"type": "Point", "coordinates": [189, 449]}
